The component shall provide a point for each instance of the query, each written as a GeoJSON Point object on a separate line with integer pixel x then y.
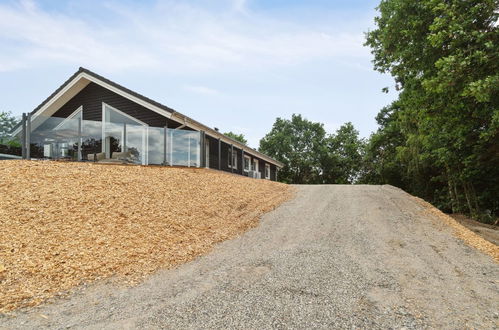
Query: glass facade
{"type": "Point", "coordinates": [75, 139]}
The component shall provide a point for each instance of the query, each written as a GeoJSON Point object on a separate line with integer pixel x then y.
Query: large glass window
{"type": "Point", "coordinates": [123, 133]}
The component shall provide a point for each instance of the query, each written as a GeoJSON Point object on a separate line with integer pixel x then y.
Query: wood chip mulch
{"type": "Point", "coordinates": [65, 224]}
{"type": "Point", "coordinates": [460, 231]}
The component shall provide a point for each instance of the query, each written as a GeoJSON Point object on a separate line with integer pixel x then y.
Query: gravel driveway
{"type": "Point", "coordinates": [334, 257]}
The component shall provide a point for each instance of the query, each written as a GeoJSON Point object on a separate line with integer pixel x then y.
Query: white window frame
{"type": "Point", "coordinates": [232, 156]}
{"type": "Point", "coordinates": [145, 134]}
{"type": "Point", "coordinates": [247, 169]}
{"type": "Point", "coordinates": [267, 166]}
{"type": "Point", "coordinates": [71, 116]}
{"type": "Point", "coordinates": [255, 165]}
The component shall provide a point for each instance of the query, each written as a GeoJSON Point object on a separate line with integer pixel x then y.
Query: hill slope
{"type": "Point", "coordinates": [68, 223]}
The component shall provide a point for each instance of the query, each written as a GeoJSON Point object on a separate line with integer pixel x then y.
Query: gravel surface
{"type": "Point", "coordinates": [333, 257]}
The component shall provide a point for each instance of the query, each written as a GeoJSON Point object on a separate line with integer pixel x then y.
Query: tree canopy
{"type": "Point", "coordinates": [310, 154]}
{"type": "Point", "coordinates": [237, 137]}
{"type": "Point", "coordinates": [7, 123]}
{"type": "Point", "coordinates": [439, 140]}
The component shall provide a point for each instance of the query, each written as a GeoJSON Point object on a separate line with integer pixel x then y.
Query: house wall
{"type": "Point", "coordinates": [91, 98]}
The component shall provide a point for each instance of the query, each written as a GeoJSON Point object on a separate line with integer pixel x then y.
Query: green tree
{"type": "Point", "coordinates": [444, 57]}
{"type": "Point", "coordinates": [344, 158]}
{"type": "Point", "coordinates": [300, 145]}
{"type": "Point", "coordinates": [7, 123]}
{"type": "Point", "coordinates": [237, 137]}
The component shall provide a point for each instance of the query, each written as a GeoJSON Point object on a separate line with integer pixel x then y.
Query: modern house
{"type": "Point", "coordinates": [90, 118]}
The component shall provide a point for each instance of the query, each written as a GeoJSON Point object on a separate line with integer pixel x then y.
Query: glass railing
{"type": "Point", "coordinates": [10, 147]}
{"type": "Point", "coordinates": [75, 139]}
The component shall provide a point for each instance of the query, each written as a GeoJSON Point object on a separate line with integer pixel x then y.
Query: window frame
{"type": "Point", "coordinates": [232, 158]}
{"type": "Point", "coordinates": [249, 163]}
{"type": "Point", "coordinates": [267, 166]}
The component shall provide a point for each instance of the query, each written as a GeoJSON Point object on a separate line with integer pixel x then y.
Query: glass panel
{"type": "Point", "coordinates": [124, 134]}
{"type": "Point", "coordinates": [184, 148]}
{"type": "Point", "coordinates": [54, 138]}
{"type": "Point", "coordinates": [136, 143]}
{"type": "Point", "coordinates": [58, 138]}
{"type": "Point", "coordinates": [10, 147]}
{"type": "Point", "coordinates": [91, 138]}
{"type": "Point", "coordinates": [156, 146]}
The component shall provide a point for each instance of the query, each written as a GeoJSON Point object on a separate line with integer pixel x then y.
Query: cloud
{"type": "Point", "coordinates": [167, 37]}
{"type": "Point", "coordinates": [201, 90]}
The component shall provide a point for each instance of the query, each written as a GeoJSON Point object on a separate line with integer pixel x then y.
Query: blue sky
{"type": "Point", "coordinates": [231, 64]}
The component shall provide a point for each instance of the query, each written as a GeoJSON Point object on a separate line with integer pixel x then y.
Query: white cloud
{"type": "Point", "coordinates": [170, 37]}
{"type": "Point", "coordinates": [201, 90]}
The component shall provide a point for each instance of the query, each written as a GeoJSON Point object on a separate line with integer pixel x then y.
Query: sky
{"type": "Point", "coordinates": [232, 64]}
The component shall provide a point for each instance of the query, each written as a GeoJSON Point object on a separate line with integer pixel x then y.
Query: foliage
{"type": "Point", "coordinates": [7, 123]}
{"type": "Point", "coordinates": [344, 160]}
{"type": "Point", "coordinates": [312, 156]}
{"type": "Point", "coordinates": [439, 140]}
{"type": "Point", "coordinates": [300, 145]}
{"type": "Point", "coordinates": [237, 137]}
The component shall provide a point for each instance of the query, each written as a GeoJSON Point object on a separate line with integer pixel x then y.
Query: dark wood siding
{"type": "Point", "coordinates": [273, 172]}
{"type": "Point", "coordinates": [213, 152]}
{"type": "Point", "coordinates": [91, 98]}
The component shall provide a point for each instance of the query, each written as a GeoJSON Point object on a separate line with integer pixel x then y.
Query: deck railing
{"type": "Point", "coordinates": [86, 140]}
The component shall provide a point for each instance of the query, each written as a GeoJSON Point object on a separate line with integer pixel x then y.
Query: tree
{"type": "Point", "coordinates": [300, 145]}
{"type": "Point", "coordinates": [344, 159]}
{"type": "Point", "coordinates": [237, 137]}
{"type": "Point", "coordinates": [443, 57]}
{"type": "Point", "coordinates": [7, 123]}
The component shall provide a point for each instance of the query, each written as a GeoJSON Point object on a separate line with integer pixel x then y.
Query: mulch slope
{"type": "Point", "coordinates": [64, 224]}
{"type": "Point", "coordinates": [460, 231]}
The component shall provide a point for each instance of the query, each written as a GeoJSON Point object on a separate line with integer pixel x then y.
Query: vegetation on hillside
{"type": "Point", "coordinates": [440, 139]}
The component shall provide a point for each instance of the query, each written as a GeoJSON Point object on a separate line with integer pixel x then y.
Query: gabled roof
{"type": "Point", "coordinates": [83, 77]}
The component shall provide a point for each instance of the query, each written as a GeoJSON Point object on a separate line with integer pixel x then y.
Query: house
{"type": "Point", "coordinates": [90, 118]}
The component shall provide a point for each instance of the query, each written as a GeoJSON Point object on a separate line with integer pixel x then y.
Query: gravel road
{"type": "Point", "coordinates": [333, 257]}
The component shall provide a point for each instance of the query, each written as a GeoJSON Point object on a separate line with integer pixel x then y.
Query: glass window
{"type": "Point", "coordinates": [233, 159]}
{"type": "Point", "coordinates": [254, 165]}
{"type": "Point", "coordinates": [247, 162]}
{"type": "Point", "coordinates": [267, 171]}
{"type": "Point", "coordinates": [123, 133]}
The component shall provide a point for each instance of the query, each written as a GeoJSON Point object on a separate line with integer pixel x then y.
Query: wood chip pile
{"type": "Point", "coordinates": [64, 224]}
{"type": "Point", "coordinates": [460, 231]}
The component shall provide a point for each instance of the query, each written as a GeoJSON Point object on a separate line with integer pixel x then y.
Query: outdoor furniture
{"type": "Point", "coordinates": [118, 157]}
{"type": "Point", "coordinates": [95, 157]}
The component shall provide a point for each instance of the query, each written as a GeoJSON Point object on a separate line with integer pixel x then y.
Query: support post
{"type": "Point", "coordinates": [124, 137]}
{"type": "Point", "coordinates": [232, 158]}
{"type": "Point", "coordinates": [202, 149]}
{"type": "Point", "coordinates": [79, 157]}
{"type": "Point", "coordinates": [28, 136]}
{"type": "Point", "coordinates": [165, 144]}
{"type": "Point", "coordinates": [171, 148]}
{"type": "Point", "coordinates": [219, 154]}
{"type": "Point", "coordinates": [189, 150]}
{"type": "Point", "coordinates": [242, 162]}
{"type": "Point", "coordinates": [23, 137]}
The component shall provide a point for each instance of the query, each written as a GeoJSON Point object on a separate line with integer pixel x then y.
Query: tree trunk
{"type": "Point", "coordinates": [468, 200]}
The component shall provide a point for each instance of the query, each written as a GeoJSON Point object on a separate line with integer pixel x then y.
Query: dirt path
{"type": "Point", "coordinates": [333, 257]}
